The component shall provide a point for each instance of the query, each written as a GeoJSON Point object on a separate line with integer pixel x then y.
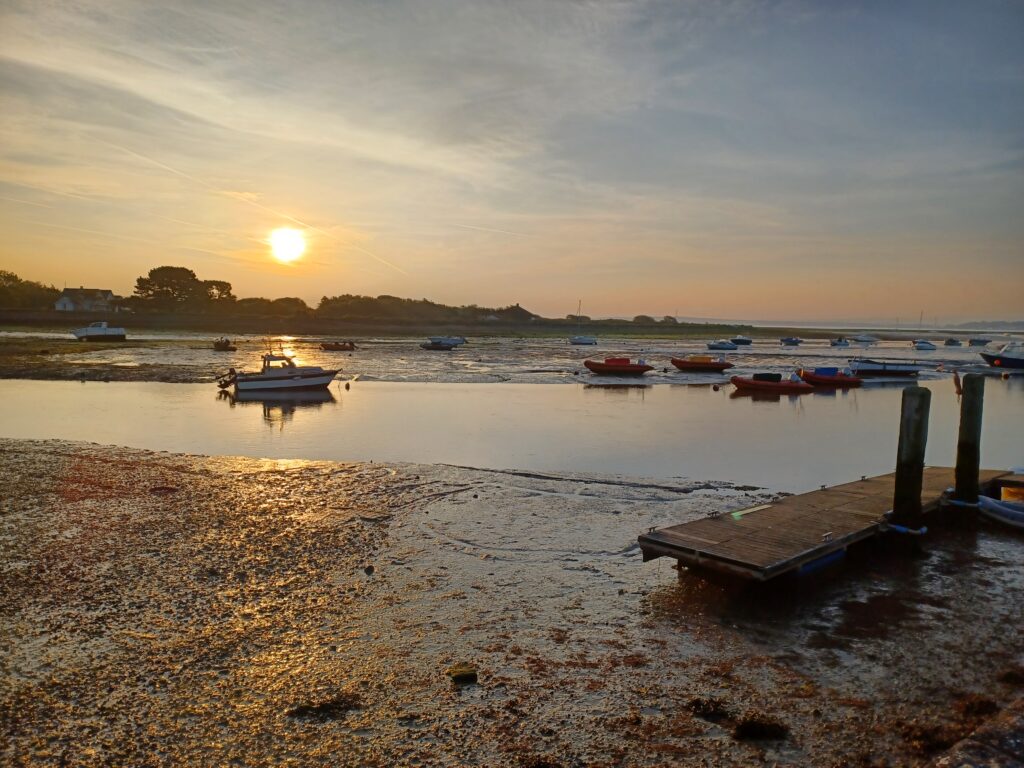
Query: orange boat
{"type": "Point", "coordinates": [338, 346]}
{"type": "Point", "coordinates": [830, 377]}
{"type": "Point", "coordinates": [771, 382]}
{"type": "Point", "coordinates": [702, 363]}
{"type": "Point", "coordinates": [618, 366]}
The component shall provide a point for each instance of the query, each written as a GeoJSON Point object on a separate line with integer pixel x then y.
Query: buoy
{"type": "Point", "coordinates": [715, 387]}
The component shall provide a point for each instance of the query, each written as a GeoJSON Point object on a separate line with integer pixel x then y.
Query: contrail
{"type": "Point", "coordinates": [23, 202]}
{"type": "Point", "coordinates": [489, 229]}
{"type": "Point", "coordinates": [254, 204]}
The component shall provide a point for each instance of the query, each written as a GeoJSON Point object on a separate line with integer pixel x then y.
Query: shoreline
{"type": "Point", "coordinates": [188, 609]}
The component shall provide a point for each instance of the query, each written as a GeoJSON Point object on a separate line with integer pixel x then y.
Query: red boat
{"type": "Point", "coordinates": [619, 366]}
{"type": "Point", "coordinates": [701, 363]}
{"type": "Point", "coordinates": [338, 346]}
{"type": "Point", "coordinates": [769, 383]}
{"type": "Point", "coordinates": [830, 377]}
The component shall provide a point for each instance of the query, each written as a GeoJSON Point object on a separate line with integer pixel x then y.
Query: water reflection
{"type": "Point", "coordinates": [279, 407]}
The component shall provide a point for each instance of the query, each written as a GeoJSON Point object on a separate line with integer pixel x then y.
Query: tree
{"type": "Point", "coordinates": [16, 293]}
{"type": "Point", "coordinates": [167, 289]}
{"type": "Point", "coordinates": [669, 320]}
{"type": "Point", "coordinates": [643, 320]}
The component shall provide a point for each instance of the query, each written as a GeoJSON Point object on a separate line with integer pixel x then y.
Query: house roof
{"type": "Point", "coordinates": [77, 294]}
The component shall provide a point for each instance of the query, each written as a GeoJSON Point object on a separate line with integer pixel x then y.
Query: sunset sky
{"type": "Point", "coordinates": [749, 160]}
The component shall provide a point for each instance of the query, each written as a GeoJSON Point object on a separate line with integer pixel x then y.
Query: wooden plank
{"type": "Point", "coordinates": [769, 539]}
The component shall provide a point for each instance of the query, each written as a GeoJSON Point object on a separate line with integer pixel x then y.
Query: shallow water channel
{"type": "Point", "coordinates": [790, 443]}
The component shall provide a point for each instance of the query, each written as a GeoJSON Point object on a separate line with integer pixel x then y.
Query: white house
{"type": "Point", "coordinates": [85, 300]}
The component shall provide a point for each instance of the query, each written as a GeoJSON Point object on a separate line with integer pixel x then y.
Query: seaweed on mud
{"type": "Point", "coordinates": [710, 709]}
{"type": "Point", "coordinates": [756, 726]}
{"type": "Point", "coordinates": [329, 709]}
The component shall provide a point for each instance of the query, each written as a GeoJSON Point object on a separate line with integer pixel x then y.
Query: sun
{"type": "Point", "coordinates": [287, 244]}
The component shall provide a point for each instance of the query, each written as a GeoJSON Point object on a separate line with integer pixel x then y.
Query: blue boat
{"type": "Point", "coordinates": [722, 344]}
{"type": "Point", "coordinates": [1009, 356]}
{"type": "Point", "coordinates": [791, 341]}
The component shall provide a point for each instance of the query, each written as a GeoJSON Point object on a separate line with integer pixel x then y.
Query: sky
{"type": "Point", "coordinates": [752, 160]}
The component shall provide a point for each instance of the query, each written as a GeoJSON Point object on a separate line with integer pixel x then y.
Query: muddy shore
{"type": "Point", "coordinates": [160, 609]}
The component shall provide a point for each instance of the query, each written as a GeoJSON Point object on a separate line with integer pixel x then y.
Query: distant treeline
{"type": "Point", "coordinates": [16, 293]}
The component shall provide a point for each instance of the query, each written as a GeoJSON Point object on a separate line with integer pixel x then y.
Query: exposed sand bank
{"type": "Point", "coordinates": [167, 609]}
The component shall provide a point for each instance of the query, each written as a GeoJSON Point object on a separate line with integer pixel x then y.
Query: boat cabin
{"type": "Point", "coordinates": [283, 362]}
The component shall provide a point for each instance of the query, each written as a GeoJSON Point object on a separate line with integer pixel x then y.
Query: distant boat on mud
{"type": "Point", "coordinates": [618, 366]}
{"type": "Point", "coordinates": [581, 340]}
{"type": "Point", "coordinates": [862, 366]}
{"type": "Point", "coordinates": [842, 341]}
{"type": "Point", "coordinates": [923, 345]}
{"type": "Point", "coordinates": [742, 341]}
{"type": "Point", "coordinates": [722, 344]}
{"type": "Point", "coordinates": [791, 341]}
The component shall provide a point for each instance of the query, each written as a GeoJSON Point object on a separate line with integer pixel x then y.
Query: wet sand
{"type": "Point", "coordinates": [164, 609]}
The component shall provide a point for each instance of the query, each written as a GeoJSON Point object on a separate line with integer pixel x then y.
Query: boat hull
{"type": "Point", "coordinates": [285, 382]}
{"type": "Point", "coordinates": [617, 369]}
{"type": "Point", "coordinates": [838, 381]}
{"type": "Point", "coordinates": [583, 341]}
{"type": "Point", "coordinates": [781, 387]}
{"type": "Point", "coordinates": [712, 366]}
{"type": "Point", "coordinates": [1002, 361]}
{"type": "Point", "coordinates": [339, 347]}
{"type": "Point", "coordinates": [878, 368]}
{"type": "Point", "coordinates": [718, 347]}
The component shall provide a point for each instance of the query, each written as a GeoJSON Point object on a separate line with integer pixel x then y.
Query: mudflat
{"type": "Point", "coordinates": [160, 609]}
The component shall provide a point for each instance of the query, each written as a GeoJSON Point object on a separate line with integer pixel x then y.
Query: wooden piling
{"type": "Point", "coordinates": [968, 446]}
{"type": "Point", "coordinates": [906, 500]}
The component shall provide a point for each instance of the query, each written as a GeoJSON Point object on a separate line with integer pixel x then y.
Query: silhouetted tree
{"type": "Point", "coordinates": [16, 293]}
{"type": "Point", "coordinates": [166, 289]}
{"type": "Point", "coordinates": [643, 319]}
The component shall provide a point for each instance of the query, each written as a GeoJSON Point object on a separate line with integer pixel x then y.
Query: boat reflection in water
{"type": "Point", "coordinates": [279, 406]}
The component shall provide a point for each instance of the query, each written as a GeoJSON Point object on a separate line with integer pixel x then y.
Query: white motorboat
{"type": "Point", "coordinates": [862, 366]}
{"type": "Point", "coordinates": [742, 341]}
{"type": "Point", "coordinates": [279, 372]}
{"type": "Point", "coordinates": [100, 331]}
{"type": "Point", "coordinates": [865, 338]}
{"type": "Point", "coordinates": [923, 345]}
{"type": "Point", "coordinates": [448, 341]}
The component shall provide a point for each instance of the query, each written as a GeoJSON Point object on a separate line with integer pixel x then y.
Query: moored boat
{"type": "Point", "coordinates": [583, 341]}
{"type": "Point", "coordinates": [741, 341]}
{"type": "Point", "coordinates": [618, 366]}
{"type": "Point", "coordinates": [865, 338]}
{"type": "Point", "coordinates": [338, 346]}
{"type": "Point", "coordinates": [771, 382]}
{"type": "Point", "coordinates": [1006, 512]}
{"type": "Point", "coordinates": [979, 342]}
{"type": "Point", "coordinates": [279, 372]}
{"type": "Point", "coordinates": [438, 346]}
{"type": "Point", "coordinates": [99, 331]}
{"type": "Point", "coordinates": [722, 344]}
{"type": "Point", "coordinates": [452, 341]}
{"type": "Point", "coordinates": [862, 366]}
{"type": "Point", "coordinates": [701, 364]}
{"type": "Point", "coordinates": [923, 345]}
{"type": "Point", "coordinates": [791, 341]}
{"type": "Point", "coordinates": [841, 341]}
{"type": "Point", "coordinates": [223, 344]}
{"type": "Point", "coordinates": [951, 342]}
{"type": "Point", "coordinates": [1009, 355]}
{"type": "Point", "coordinates": [830, 377]}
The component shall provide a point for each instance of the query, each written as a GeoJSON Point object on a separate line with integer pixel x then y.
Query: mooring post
{"type": "Point", "coordinates": [906, 500]}
{"type": "Point", "coordinates": [968, 445]}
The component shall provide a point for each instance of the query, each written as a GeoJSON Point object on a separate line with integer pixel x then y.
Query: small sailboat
{"type": "Point", "coordinates": [581, 340]}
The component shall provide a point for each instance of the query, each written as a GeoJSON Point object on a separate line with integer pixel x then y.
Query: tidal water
{"type": "Point", "coordinates": [791, 443]}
